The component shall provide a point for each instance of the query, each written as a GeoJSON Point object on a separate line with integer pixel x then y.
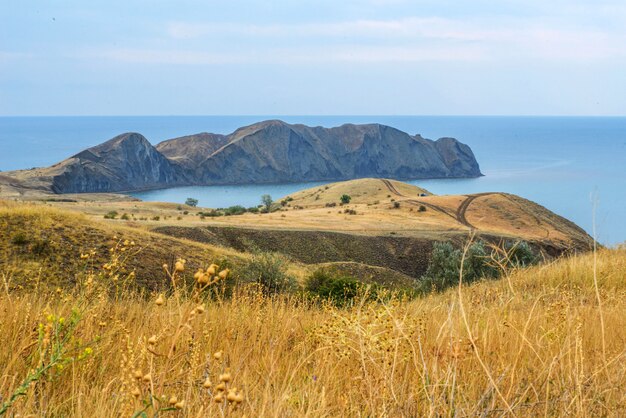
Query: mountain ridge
{"type": "Point", "coordinates": [270, 151]}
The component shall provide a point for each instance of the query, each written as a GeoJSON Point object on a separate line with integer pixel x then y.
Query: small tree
{"type": "Point", "coordinates": [345, 199]}
{"type": "Point", "coordinates": [191, 202]}
{"type": "Point", "coordinates": [267, 202]}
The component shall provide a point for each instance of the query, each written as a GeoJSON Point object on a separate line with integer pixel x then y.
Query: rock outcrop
{"type": "Point", "coordinates": [265, 152]}
{"type": "Point", "coordinates": [124, 163]}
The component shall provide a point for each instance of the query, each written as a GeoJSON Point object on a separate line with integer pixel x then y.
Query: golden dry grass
{"type": "Point", "coordinates": [541, 342]}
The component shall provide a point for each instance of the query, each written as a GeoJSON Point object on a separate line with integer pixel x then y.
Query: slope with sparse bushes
{"type": "Point", "coordinates": [546, 340]}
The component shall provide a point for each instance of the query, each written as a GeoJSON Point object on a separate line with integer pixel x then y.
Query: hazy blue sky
{"type": "Point", "coordinates": [142, 57]}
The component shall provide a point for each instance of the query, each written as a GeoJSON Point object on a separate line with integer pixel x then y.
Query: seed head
{"type": "Point", "coordinates": [152, 340]}
{"type": "Point", "coordinates": [179, 266]}
{"type": "Point", "coordinates": [218, 398]}
{"type": "Point", "coordinates": [220, 387]}
{"type": "Point", "coordinates": [225, 377]}
{"type": "Point", "coordinates": [173, 400]}
{"type": "Point", "coordinates": [207, 383]}
{"type": "Point", "coordinates": [231, 396]}
{"type": "Point", "coordinates": [200, 309]}
{"type": "Point", "coordinates": [217, 355]}
{"type": "Point", "coordinates": [136, 392]}
{"type": "Point", "coordinates": [212, 269]}
{"type": "Point", "coordinates": [147, 377]}
{"type": "Point", "coordinates": [137, 374]}
{"type": "Point", "coordinates": [165, 267]}
{"type": "Point", "coordinates": [224, 274]}
{"type": "Point", "coordinates": [180, 404]}
{"type": "Point", "coordinates": [160, 300]}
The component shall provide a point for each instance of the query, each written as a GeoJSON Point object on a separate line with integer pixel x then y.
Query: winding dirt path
{"type": "Point", "coordinates": [391, 187]}
{"type": "Point", "coordinates": [417, 203]}
{"type": "Point", "coordinates": [459, 215]}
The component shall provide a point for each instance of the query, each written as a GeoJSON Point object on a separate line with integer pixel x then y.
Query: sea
{"type": "Point", "coordinates": [574, 166]}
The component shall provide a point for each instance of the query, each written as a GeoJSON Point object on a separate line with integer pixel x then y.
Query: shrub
{"type": "Point", "coordinates": [211, 214]}
{"type": "Point", "coordinates": [520, 254]}
{"type": "Point", "coordinates": [111, 215]}
{"type": "Point", "coordinates": [396, 205]}
{"type": "Point", "coordinates": [191, 202]}
{"type": "Point", "coordinates": [125, 217]}
{"type": "Point", "coordinates": [345, 199]}
{"type": "Point", "coordinates": [341, 290]}
{"type": "Point", "coordinates": [422, 208]}
{"type": "Point", "coordinates": [269, 270]}
{"type": "Point", "coordinates": [19, 238]}
{"type": "Point", "coordinates": [234, 210]}
{"type": "Point", "coordinates": [445, 265]}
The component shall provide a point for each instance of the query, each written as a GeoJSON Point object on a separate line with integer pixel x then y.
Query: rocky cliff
{"type": "Point", "coordinates": [126, 162]}
{"type": "Point", "coordinates": [266, 152]}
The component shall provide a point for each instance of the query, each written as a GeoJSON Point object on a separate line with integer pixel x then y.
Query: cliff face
{"type": "Point", "coordinates": [274, 151]}
{"type": "Point", "coordinates": [126, 162]}
{"type": "Point", "coordinates": [266, 152]}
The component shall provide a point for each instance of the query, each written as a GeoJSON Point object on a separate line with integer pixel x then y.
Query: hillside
{"type": "Point", "coordinates": [386, 223]}
{"type": "Point", "coordinates": [38, 237]}
{"type": "Point", "coordinates": [266, 152]}
{"type": "Point", "coordinates": [545, 341]}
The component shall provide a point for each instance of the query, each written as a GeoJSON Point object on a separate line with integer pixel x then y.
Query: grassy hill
{"type": "Point", "coordinates": [40, 243]}
{"type": "Point", "coordinates": [548, 340]}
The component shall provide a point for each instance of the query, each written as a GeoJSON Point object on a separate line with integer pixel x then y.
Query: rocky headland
{"type": "Point", "coordinates": [266, 152]}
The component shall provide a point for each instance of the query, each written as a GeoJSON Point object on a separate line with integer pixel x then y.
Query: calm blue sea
{"type": "Point", "coordinates": [567, 164]}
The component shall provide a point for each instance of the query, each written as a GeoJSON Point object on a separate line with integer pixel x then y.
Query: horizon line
{"type": "Point", "coordinates": [320, 115]}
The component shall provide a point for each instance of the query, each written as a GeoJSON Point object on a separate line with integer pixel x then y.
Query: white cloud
{"type": "Point", "coordinates": [526, 38]}
{"type": "Point", "coordinates": [163, 56]}
{"type": "Point", "coordinates": [288, 56]}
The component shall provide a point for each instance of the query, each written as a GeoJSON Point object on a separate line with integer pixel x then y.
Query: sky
{"type": "Point", "coordinates": [322, 57]}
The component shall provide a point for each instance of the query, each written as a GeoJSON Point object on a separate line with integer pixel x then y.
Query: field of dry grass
{"type": "Point", "coordinates": [545, 341]}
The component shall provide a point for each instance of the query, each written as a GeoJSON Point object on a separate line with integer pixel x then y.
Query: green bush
{"type": "Point", "coordinates": [20, 239]}
{"type": "Point", "coordinates": [341, 290]}
{"type": "Point", "coordinates": [520, 254]}
{"type": "Point", "coordinates": [191, 202]}
{"type": "Point", "coordinates": [445, 265]}
{"type": "Point", "coordinates": [269, 270]}
{"type": "Point", "coordinates": [234, 210]}
{"type": "Point", "coordinates": [111, 215]}
{"type": "Point", "coordinates": [211, 214]}
{"type": "Point", "coordinates": [345, 199]}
